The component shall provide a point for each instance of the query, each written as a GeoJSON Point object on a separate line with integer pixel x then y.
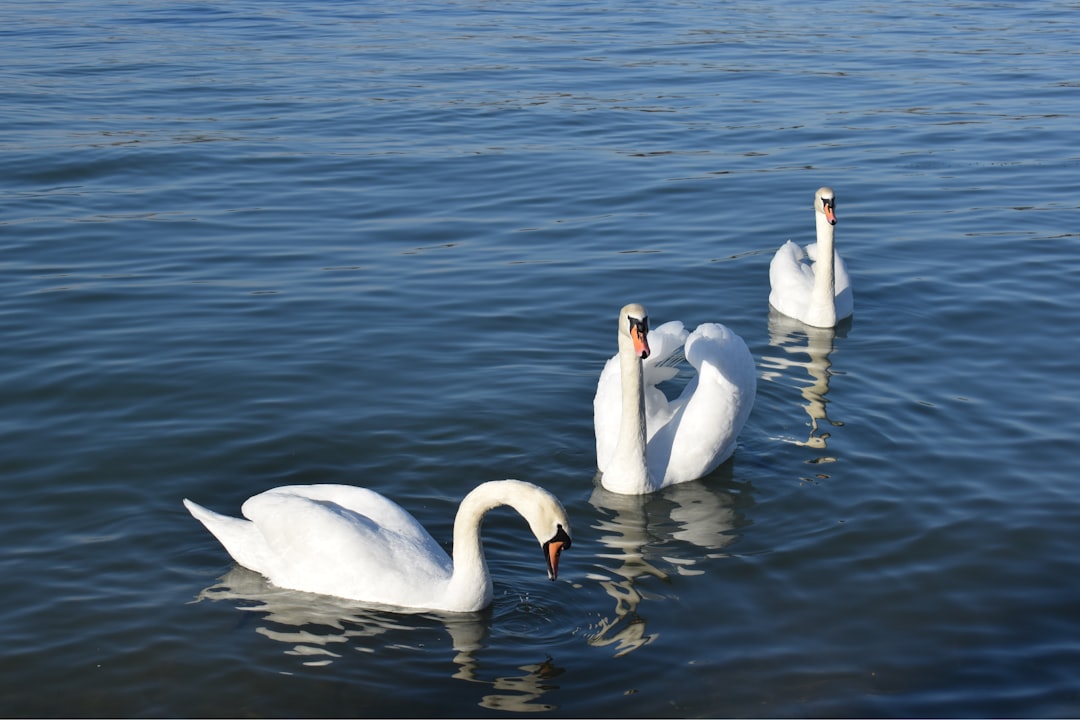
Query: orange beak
{"type": "Point", "coordinates": [641, 341]}
{"type": "Point", "coordinates": [553, 549]}
{"type": "Point", "coordinates": [830, 213]}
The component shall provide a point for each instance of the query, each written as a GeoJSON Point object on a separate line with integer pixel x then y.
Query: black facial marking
{"type": "Point", "coordinates": [561, 537]}
{"type": "Point", "coordinates": [641, 324]}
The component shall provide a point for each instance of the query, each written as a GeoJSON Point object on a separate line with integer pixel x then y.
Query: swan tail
{"type": "Point", "coordinates": [240, 538]}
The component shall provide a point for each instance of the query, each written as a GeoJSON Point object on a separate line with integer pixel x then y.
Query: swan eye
{"type": "Point", "coordinates": [828, 208]}
{"type": "Point", "coordinates": [563, 537]}
{"type": "Point", "coordinates": [560, 541]}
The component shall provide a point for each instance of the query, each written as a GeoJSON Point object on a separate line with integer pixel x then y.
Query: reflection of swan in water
{"type": "Point", "coordinates": [319, 629]}
{"type": "Point", "coordinates": [808, 348]}
{"type": "Point", "coordinates": [637, 531]}
{"type": "Point", "coordinates": [517, 692]}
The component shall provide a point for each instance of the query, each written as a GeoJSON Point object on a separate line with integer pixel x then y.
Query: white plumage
{"type": "Point", "coordinates": [813, 286]}
{"type": "Point", "coordinates": [645, 442]}
{"type": "Point", "coordinates": [354, 543]}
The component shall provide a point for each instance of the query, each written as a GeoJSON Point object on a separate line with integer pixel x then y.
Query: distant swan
{"type": "Point", "coordinates": [354, 543]}
{"type": "Point", "coordinates": [813, 286]}
{"type": "Point", "coordinates": [643, 441]}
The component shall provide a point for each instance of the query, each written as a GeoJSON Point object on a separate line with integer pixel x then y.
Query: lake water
{"type": "Point", "coordinates": [247, 244]}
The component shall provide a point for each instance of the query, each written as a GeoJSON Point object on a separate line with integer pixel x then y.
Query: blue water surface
{"type": "Point", "coordinates": [247, 244]}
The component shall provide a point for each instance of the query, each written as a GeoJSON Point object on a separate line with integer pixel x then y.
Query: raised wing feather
{"type": "Point", "coordinates": [702, 425]}
{"type": "Point", "coordinates": [791, 278]}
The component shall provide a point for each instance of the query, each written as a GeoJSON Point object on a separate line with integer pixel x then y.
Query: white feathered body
{"type": "Point", "coordinates": [339, 540]}
{"type": "Point", "coordinates": [791, 278]}
{"type": "Point", "coordinates": [689, 436]}
{"type": "Point", "coordinates": [354, 543]}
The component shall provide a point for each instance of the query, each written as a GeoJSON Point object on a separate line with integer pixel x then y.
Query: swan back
{"type": "Point", "coordinates": [349, 542]}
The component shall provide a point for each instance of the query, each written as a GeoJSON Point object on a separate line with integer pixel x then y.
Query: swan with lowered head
{"type": "Point", "coordinates": [354, 543]}
{"type": "Point", "coordinates": [812, 286]}
{"type": "Point", "coordinates": [645, 442]}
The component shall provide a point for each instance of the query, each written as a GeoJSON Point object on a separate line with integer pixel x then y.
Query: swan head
{"type": "Point", "coordinates": [548, 521]}
{"type": "Point", "coordinates": [553, 549]}
{"type": "Point", "coordinates": [545, 514]}
{"type": "Point", "coordinates": [825, 203]}
{"type": "Point", "coordinates": [634, 329]}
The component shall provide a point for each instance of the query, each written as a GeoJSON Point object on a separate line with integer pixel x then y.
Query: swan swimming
{"type": "Point", "coordinates": [354, 543]}
{"type": "Point", "coordinates": [812, 286]}
{"type": "Point", "coordinates": [645, 442]}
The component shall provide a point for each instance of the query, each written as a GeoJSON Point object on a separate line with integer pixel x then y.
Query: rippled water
{"type": "Point", "coordinates": [251, 244]}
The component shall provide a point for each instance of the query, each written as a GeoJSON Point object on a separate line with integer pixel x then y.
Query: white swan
{"type": "Point", "coordinates": [813, 286]}
{"type": "Point", "coordinates": [354, 543]}
{"type": "Point", "coordinates": [643, 441]}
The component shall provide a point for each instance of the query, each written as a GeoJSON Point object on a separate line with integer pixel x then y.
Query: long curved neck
{"type": "Point", "coordinates": [628, 472]}
{"type": "Point", "coordinates": [470, 585]}
{"type": "Point", "coordinates": [823, 299]}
